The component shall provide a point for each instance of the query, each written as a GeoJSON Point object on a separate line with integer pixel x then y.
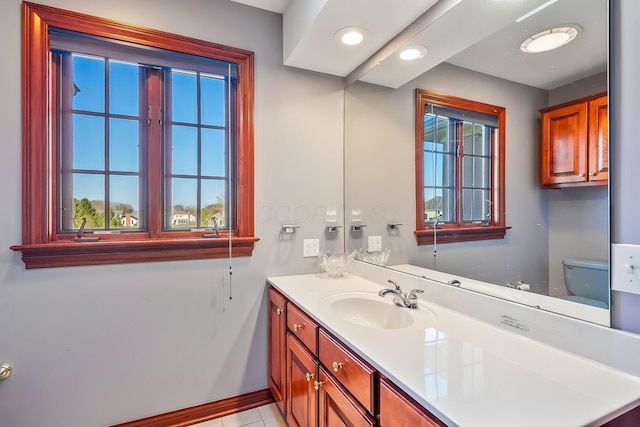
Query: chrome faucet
{"type": "Point", "coordinates": [402, 299]}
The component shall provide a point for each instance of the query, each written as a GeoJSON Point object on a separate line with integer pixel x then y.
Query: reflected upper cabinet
{"type": "Point", "coordinates": [575, 143]}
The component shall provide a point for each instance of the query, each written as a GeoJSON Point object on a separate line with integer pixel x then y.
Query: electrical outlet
{"type": "Point", "coordinates": [310, 247]}
{"type": "Point", "coordinates": [375, 243]}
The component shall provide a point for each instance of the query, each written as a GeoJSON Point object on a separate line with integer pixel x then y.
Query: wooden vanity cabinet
{"type": "Point", "coordinates": [397, 409]}
{"type": "Point", "coordinates": [277, 347]}
{"type": "Point", "coordinates": [574, 143]}
{"type": "Point", "coordinates": [325, 383]}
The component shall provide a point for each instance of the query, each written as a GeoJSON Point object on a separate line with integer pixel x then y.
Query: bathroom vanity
{"type": "Point", "coordinates": [341, 353]}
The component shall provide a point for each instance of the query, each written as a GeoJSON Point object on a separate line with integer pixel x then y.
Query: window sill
{"type": "Point", "coordinates": [463, 234]}
{"type": "Point", "coordinates": [67, 254]}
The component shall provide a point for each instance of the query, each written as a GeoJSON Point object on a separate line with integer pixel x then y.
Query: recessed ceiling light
{"type": "Point", "coordinates": [351, 35]}
{"type": "Point", "coordinates": [548, 40]}
{"type": "Point", "coordinates": [409, 53]}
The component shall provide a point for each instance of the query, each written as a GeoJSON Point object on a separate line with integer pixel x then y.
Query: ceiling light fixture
{"type": "Point", "coordinates": [536, 10]}
{"type": "Point", "coordinates": [351, 35]}
{"type": "Point", "coordinates": [409, 53]}
{"type": "Point", "coordinates": [548, 40]}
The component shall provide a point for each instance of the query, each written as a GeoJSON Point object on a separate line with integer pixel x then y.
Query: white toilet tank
{"type": "Point", "coordinates": [588, 281]}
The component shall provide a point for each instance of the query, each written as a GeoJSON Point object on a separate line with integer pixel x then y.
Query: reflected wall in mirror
{"type": "Point", "coordinates": [547, 226]}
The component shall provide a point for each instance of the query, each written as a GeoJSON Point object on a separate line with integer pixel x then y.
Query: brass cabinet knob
{"type": "Point", "coordinates": [337, 366]}
{"type": "Point", "coordinates": [580, 174]}
{"type": "Point", "coordinates": [5, 371]}
{"type": "Point", "coordinates": [592, 174]}
{"type": "Point", "coordinates": [278, 311]}
{"type": "Point", "coordinates": [317, 384]}
{"type": "Point", "coordinates": [309, 375]}
{"type": "Point", "coordinates": [297, 327]}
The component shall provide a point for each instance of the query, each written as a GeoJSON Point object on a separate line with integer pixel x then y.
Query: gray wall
{"type": "Point", "coordinates": [92, 346]}
{"type": "Point", "coordinates": [625, 106]}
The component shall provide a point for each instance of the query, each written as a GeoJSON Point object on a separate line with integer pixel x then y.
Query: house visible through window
{"type": "Point", "coordinates": [460, 169]}
{"type": "Point", "coordinates": [148, 144]}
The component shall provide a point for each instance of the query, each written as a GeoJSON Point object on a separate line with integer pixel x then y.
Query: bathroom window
{"type": "Point", "coordinates": [459, 169]}
{"type": "Point", "coordinates": [138, 144]}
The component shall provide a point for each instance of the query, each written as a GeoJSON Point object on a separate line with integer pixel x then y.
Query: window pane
{"type": "Point", "coordinates": [123, 145]}
{"type": "Point", "coordinates": [89, 83]}
{"type": "Point", "coordinates": [446, 140]}
{"type": "Point", "coordinates": [184, 202]}
{"type": "Point", "coordinates": [212, 197]}
{"type": "Point", "coordinates": [476, 205]}
{"type": "Point", "coordinates": [213, 159]}
{"type": "Point", "coordinates": [184, 150]}
{"type": "Point", "coordinates": [123, 88]}
{"type": "Point", "coordinates": [480, 145]}
{"type": "Point", "coordinates": [476, 172]}
{"type": "Point", "coordinates": [184, 97]}
{"type": "Point", "coordinates": [448, 205]}
{"type": "Point", "coordinates": [88, 200]}
{"type": "Point", "coordinates": [123, 201]}
{"type": "Point", "coordinates": [88, 142]}
{"type": "Point", "coordinates": [429, 132]}
{"type": "Point", "coordinates": [212, 100]}
{"type": "Point", "coordinates": [432, 205]}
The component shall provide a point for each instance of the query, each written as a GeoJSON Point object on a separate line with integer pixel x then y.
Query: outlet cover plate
{"type": "Point", "coordinates": [625, 268]}
{"type": "Point", "coordinates": [310, 247]}
{"type": "Point", "coordinates": [375, 243]}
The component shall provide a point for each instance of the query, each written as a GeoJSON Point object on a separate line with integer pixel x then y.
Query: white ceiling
{"type": "Point", "coordinates": [480, 35]}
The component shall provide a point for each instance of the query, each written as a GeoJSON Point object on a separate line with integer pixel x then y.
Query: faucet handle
{"type": "Point", "coordinates": [413, 293]}
{"type": "Point", "coordinates": [394, 284]}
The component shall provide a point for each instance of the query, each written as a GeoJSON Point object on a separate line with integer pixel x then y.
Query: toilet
{"type": "Point", "coordinates": [588, 282]}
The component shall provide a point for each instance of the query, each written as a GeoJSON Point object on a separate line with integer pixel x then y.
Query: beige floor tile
{"type": "Point", "coordinates": [245, 418]}
{"type": "Point", "coordinates": [269, 411]}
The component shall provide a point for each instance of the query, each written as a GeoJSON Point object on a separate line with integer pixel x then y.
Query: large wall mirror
{"type": "Point", "coordinates": [547, 226]}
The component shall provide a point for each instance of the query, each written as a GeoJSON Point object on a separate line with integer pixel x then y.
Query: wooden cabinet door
{"type": "Point", "coordinates": [302, 374]}
{"type": "Point", "coordinates": [277, 346]}
{"type": "Point", "coordinates": [563, 154]}
{"type": "Point", "coordinates": [338, 408]}
{"type": "Point", "coordinates": [398, 410]}
{"type": "Point", "coordinates": [599, 139]}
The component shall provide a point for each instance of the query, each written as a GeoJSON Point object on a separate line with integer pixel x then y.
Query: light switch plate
{"type": "Point", "coordinates": [625, 268]}
{"type": "Point", "coordinates": [310, 247]}
{"type": "Point", "coordinates": [375, 243]}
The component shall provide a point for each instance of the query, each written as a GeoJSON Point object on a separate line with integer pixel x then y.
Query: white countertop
{"type": "Point", "coordinates": [467, 372]}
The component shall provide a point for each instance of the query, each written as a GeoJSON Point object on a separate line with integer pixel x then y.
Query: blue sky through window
{"type": "Point", "coordinates": [89, 138]}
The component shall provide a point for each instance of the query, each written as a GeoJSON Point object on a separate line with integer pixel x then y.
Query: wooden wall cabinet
{"type": "Point", "coordinates": [575, 143]}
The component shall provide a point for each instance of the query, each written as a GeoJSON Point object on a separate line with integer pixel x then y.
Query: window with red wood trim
{"type": "Point", "coordinates": [138, 144]}
{"type": "Point", "coordinates": [460, 150]}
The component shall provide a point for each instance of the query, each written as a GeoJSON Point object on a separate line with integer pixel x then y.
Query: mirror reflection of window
{"type": "Point", "coordinates": [462, 168]}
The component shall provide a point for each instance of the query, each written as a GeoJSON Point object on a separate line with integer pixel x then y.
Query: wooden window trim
{"type": "Point", "coordinates": [41, 247]}
{"type": "Point", "coordinates": [453, 233]}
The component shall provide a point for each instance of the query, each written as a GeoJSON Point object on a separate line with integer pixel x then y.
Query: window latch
{"type": "Point", "coordinates": [80, 237]}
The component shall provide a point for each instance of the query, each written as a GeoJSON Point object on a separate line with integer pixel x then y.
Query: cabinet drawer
{"type": "Point", "coordinates": [355, 375]}
{"type": "Point", "coordinates": [303, 327]}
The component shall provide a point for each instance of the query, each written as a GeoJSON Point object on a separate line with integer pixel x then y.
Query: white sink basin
{"type": "Point", "coordinates": [369, 310]}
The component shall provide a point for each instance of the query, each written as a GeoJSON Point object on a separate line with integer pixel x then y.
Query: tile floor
{"type": "Point", "coordinates": [263, 416]}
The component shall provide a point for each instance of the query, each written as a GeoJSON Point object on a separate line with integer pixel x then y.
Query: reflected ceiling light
{"type": "Point", "coordinates": [536, 10]}
{"type": "Point", "coordinates": [409, 53]}
{"type": "Point", "coordinates": [548, 40]}
{"type": "Point", "coordinates": [351, 35]}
